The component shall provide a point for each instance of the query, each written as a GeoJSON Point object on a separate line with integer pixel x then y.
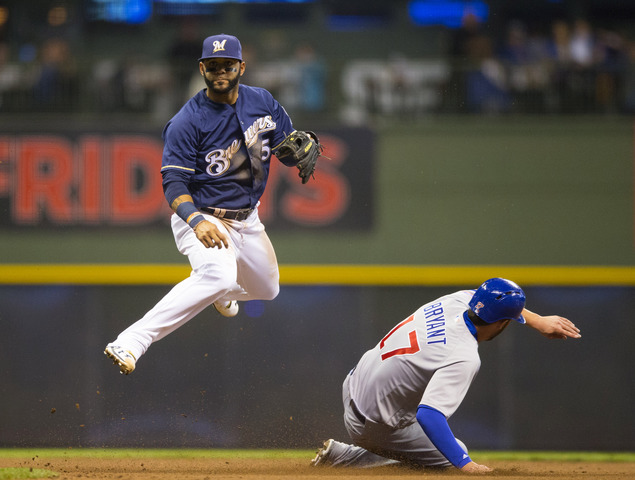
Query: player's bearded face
{"type": "Point", "coordinates": [222, 83]}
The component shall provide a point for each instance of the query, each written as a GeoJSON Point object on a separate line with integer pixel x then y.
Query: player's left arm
{"type": "Point", "coordinates": [436, 428]}
{"type": "Point", "coordinates": [552, 326]}
{"type": "Point", "coordinates": [302, 149]}
{"type": "Point", "coordinates": [299, 148]}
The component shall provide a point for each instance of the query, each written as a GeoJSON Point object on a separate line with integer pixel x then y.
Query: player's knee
{"type": "Point", "coordinates": [272, 292]}
{"type": "Point", "coordinates": [215, 279]}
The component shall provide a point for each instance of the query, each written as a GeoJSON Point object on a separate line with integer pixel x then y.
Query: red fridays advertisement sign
{"type": "Point", "coordinates": [79, 179]}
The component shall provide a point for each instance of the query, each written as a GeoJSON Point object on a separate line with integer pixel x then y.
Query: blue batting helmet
{"type": "Point", "coordinates": [498, 299]}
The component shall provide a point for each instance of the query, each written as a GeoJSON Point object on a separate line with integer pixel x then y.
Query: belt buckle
{"type": "Point", "coordinates": [238, 215]}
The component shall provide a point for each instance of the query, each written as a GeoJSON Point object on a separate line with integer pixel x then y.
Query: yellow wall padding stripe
{"type": "Point", "coordinates": [380, 275]}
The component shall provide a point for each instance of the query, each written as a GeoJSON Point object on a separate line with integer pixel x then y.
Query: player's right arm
{"type": "Point", "coordinates": [207, 233]}
{"type": "Point", "coordinates": [175, 188]}
{"type": "Point", "coordinates": [178, 166]}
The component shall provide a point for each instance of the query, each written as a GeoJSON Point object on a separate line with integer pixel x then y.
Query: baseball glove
{"type": "Point", "coordinates": [305, 148]}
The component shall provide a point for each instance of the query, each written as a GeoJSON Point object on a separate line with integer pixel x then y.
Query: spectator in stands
{"type": "Point", "coordinates": [559, 50]}
{"type": "Point", "coordinates": [56, 86]}
{"type": "Point", "coordinates": [627, 96]}
{"type": "Point", "coordinates": [525, 57]}
{"type": "Point", "coordinates": [311, 82]}
{"type": "Point", "coordinates": [11, 77]}
{"type": "Point", "coordinates": [486, 81]}
{"type": "Point", "coordinates": [108, 85]}
{"type": "Point", "coordinates": [460, 43]}
{"type": "Point", "coordinates": [581, 77]}
{"type": "Point", "coordinates": [611, 62]}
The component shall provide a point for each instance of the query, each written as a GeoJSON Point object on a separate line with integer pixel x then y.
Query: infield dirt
{"type": "Point", "coordinates": [252, 469]}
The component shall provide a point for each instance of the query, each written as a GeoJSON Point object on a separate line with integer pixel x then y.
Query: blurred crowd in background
{"type": "Point", "coordinates": [569, 66]}
{"type": "Point", "coordinates": [575, 68]}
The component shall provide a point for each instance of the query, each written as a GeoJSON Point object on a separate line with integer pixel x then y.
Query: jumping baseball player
{"type": "Point", "coordinates": [399, 396]}
{"type": "Point", "coordinates": [215, 168]}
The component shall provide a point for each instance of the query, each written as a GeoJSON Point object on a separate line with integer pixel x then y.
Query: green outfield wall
{"type": "Point", "coordinates": [478, 191]}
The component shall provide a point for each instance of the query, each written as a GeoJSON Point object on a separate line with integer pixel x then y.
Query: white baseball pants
{"type": "Point", "coordinates": [377, 444]}
{"type": "Point", "coordinates": [247, 270]}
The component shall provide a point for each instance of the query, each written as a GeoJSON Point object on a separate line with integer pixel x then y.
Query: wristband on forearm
{"type": "Point", "coordinates": [189, 214]}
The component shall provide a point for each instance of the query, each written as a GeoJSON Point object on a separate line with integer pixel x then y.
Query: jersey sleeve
{"type": "Point", "coordinates": [284, 126]}
{"type": "Point", "coordinates": [180, 146]}
{"type": "Point", "coordinates": [436, 427]}
{"type": "Point", "coordinates": [175, 183]}
{"type": "Point", "coordinates": [179, 158]}
{"type": "Point", "coordinates": [449, 385]}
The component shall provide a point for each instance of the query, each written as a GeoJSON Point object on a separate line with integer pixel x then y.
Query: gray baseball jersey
{"type": "Point", "coordinates": [430, 358]}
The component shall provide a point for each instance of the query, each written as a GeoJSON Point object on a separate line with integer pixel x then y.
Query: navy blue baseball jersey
{"type": "Point", "coordinates": [223, 151]}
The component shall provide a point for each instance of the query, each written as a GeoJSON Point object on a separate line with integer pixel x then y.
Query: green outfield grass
{"type": "Point", "coordinates": [21, 473]}
{"type": "Point", "coordinates": [231, 453]}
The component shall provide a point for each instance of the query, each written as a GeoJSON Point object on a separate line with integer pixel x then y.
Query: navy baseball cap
{"type": "Point", "coordinates": [222, 46]}
{"type": "Point", "coordinates": [498, 299]}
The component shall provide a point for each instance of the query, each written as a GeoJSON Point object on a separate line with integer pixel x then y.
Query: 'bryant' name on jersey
{"type": "Point", "coordinates": [435, 323]}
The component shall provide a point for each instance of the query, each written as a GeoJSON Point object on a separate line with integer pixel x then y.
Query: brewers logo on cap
{"type": "Point", "coordinates": [218, 46]}
{"type": "Point", "coordinates": [222, 46]}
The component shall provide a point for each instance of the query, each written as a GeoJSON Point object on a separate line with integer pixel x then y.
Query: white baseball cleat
{"type": "Point", "coordinates": [225, 308]}
{"type": "Point", "coordinates": [321, 459]}
{"type": "Point", "coordinates": [122, 358]}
